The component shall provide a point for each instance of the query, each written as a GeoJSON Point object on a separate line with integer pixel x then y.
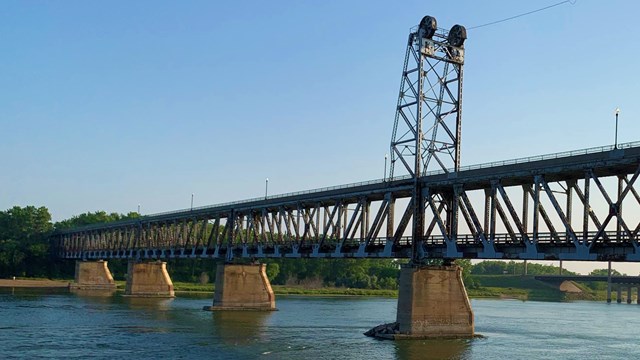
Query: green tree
{"type": "Point", "coordinates": [24, 247]}
{"type": "Point", "coordinates": [490, 267]}
{"type": "Point", "coordinates": [466, 266]}
{"type": "Point", "coordinates": [273, 270]}
{"type": "Point", "coordinates": [605, 272]}
{"type": "Point", "coordinates": [97, 217]}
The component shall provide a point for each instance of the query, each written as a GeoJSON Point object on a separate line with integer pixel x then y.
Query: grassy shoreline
{"type": "Point", "coordinates": [490, 287]}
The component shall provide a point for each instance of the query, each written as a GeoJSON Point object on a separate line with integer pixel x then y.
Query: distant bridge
{"type": "Point", "coordinates": [628, 282]}
{"type": "Point", "coordinates": [614, 279]}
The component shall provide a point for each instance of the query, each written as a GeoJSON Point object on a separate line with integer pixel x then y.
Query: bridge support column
{"type": "Point", "coordinates": [619, 299]}
{"type": "Point", "coordinates": [432, 303]}
{"type": "Point", "coordinates": [148, 279]}
{"type": "Point", "coordinates": [608, 282]}
{"type": "Point", "coordinates": [638, 296]}
{"type": "Point", "coordinates": [242, 287]}
{"type": "Point", "coordinates": [629, 295]}
{"type": "Point", "coordinates": [93, 275]}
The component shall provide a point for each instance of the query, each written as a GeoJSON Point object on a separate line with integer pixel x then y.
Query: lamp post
{"type": "Point", "coordinates": [617, 112]}
{"type": "Point", "coordinates": [266, 188]}
{"type": "Point", "coordinates": [191, 202]}
{"type": "Point", "coordinates": [384, 176]}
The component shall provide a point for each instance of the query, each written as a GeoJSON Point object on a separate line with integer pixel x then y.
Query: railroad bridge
{"type": "Point", "coordinates": [566, 206]}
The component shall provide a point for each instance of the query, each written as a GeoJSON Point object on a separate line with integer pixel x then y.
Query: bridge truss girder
{"type": "Point", "coordinates": [570, 209]}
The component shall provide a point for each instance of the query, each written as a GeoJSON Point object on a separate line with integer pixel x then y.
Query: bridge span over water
{"type": "Point", "coordinates": [628, 282]}
{"type": "Point", "coordinates": [517, 209]}
{"type": "Point", "coordinates": [566, 206]}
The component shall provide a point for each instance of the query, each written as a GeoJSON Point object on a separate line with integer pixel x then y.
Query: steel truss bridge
{"type": "Point", "coordinates": [561, 206]}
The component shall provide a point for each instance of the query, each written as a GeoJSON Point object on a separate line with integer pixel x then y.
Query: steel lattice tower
{"type": "Point", "coordinates": [430, 95]}
{"type": "Point", "coordinates": [426, 130]}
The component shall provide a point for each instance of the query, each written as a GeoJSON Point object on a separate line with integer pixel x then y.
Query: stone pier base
{"type": "Point", "coordinates": [242, 287]}
{"type": "Point", "coordinates": [432, 303]}
{"type": "Point", "coordinates": [93, 275]}
{"type": "Point", "coordinates": [148, 279]}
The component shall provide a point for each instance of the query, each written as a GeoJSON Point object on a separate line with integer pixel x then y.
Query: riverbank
{"type": "Point", "coordinates": [287, 290]}
{"type": "Point", "coordinates": [488, 287]}
{"type": "Point", "coordinates": [34, 283]}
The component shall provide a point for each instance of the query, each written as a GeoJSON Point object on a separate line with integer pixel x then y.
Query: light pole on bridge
{"type": "Point", "coordinates": [617, 112]}
{"type": "Point", "coordinates": [384, 175]}
{"type": "Point", "coordinates": [191, 202]}
{"type": "Point", "coordinates": [266, 188]}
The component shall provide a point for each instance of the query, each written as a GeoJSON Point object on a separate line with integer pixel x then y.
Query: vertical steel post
{"type": "Point", "coordinates": [615, 146]}
{"type": "Point", "coordinates": [487, 206]}
{"type": "Point", "coordinates": [619, 208]}
{"type": "Point", "coordinates": [418, 199]}
{"type": "Point", "coordinates": [587, 207]}
{"type": "Point", "coordinates": [390, 216]}
{"type": "Point", "coordinates": [456, 165]}
{"type": "Point", "coordinates": [492, 216]}
{"type": "Point", "coordinates": [384, 174]}
{"type": "Point", "coordinates": [609, 283]}
{"type": "Point", "coordinates": [569, 209]}
{"type": "Point", "coordinates": [231, 225]}
{"type": "Point", "coordinates": [367, 217]}
{"type": "Point", "coordinates": [619, 298]}
{"type": "Point", "coordinates": [536, 208]}
{"type": "Point", "coordinates": [525, 210]}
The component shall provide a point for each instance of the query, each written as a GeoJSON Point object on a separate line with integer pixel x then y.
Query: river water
{"type": "Point", "coordinates": [57, 324]}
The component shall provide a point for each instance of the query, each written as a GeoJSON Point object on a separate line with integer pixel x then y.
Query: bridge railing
{"type": "Point", "coordinates": [564, 154]}
{"type": "Point", "coordinates": [279, 196]}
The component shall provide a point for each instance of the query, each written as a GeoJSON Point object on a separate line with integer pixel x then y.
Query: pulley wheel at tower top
{"type": "Point", "coordinates": [457, 35]}
{"type": "Point", "coordinates": [428, 26]}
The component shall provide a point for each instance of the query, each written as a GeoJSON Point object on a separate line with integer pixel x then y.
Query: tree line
{"type": "Point", "coordinates": [25, 252]}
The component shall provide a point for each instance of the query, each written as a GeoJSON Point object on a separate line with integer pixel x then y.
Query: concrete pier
{"type": "Point", "coordinates": [432, 302]}
{"type": "Point", "coordinates": [148, 279]}
{"type": "Point", "coordinates": [93, 275]}
{"type": "Point", "coordinates": [619, 298]}
{"type": "Point", "coordinates": [242, 287]}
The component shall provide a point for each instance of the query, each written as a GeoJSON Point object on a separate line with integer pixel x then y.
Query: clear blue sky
{"type": "Point", "coordinates": [104, 106]}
